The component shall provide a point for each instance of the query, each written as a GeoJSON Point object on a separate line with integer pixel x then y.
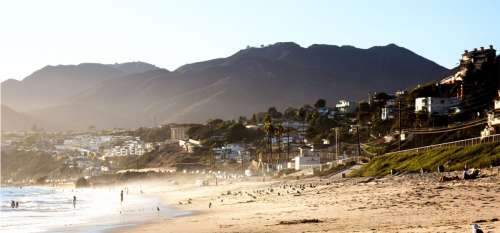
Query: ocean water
{"type": "Point", "coordinates": [45, 209]}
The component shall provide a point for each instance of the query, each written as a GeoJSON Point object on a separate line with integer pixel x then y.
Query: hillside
{"type": "Point", "coordinates": [251, 80]}
{"type": "Point", "coordinates": [478, 156]}
{"type": "Point", "coordinates": [53, 85]}
{"type": "Point", "coordinates": [12, 120]}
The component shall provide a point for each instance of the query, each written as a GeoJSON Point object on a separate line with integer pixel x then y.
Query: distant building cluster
{"type": "Point", "coordinates": [84, 143]}
{"type": "Point", "coordinates": [236, 152]}
{"type": "Point", "coordinates": [130, 147]}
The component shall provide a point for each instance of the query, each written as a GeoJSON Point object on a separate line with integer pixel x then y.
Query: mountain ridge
{"type": "Point", "coordinates": [252, 79]}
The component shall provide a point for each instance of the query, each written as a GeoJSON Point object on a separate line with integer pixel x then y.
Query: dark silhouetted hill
{"type": "Point", "coordinates": [251, 80]}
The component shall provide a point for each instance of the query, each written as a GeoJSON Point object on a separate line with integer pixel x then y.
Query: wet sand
{"type": "Point", "coordinates": [409, 203]}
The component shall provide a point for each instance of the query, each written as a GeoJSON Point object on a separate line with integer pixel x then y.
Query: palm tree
{"type": "Point", "coordinates": [270, 131]}
{"type": "Point", "coordinates": [279, 130]}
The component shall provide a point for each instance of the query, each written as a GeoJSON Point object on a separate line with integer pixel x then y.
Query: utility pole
{"type": "Point", "coordinates": [287, 144]}
{"type": "Point", "coordinates": [399, 124]}
{"type": "Point", "coordinates": [336, 143]}
{"type": "Point", "coordinates": [242, 167]}
{"type": "Point", "coordinates": [211, 158]}
{"type": "Point", "coordinates": [359, 142]}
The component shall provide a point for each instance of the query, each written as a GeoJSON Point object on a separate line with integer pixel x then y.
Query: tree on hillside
{"type": "Point", "coordinates": [321, 103]}
{"type": "Point", "coordinates": [253, 120]}
{"type": "Point", "coordinates": [364, 113]}
{"type": "Point", "coordinates": [302, 116]}
{"type": "Point", "coordinates": [274, 113]}
{"type": "Point", "coordinates": [236, 133]}
{"type": "Point", "coordinates": [215, 123]}
{"type": "Point", "coordinates": [312, 116]}
{"type": "Point", "coordinates": [242, 120]}
{"type": "Point", "coordinates": [290, 113]}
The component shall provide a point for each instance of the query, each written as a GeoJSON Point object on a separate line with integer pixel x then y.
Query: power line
{"type": "Point", "coordinates": [444, 130]}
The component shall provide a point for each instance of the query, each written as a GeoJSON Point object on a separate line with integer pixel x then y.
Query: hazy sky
{"type": "Point", "coordinates": [171, 33]}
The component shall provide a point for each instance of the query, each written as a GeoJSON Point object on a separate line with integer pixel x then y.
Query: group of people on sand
{"type": "Point", "coordinates": [14, 204]}
{"type": "Point", "coordinates": [468, 174]}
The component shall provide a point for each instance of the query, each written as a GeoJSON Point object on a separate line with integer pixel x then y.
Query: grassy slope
{"type": "Point", "coordinates": [478, 156]}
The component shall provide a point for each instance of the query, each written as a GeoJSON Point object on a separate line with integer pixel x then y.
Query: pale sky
{"type": "Point", "coordinates": [172, 33]}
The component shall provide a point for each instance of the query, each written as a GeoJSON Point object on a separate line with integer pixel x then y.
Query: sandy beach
{"type": "Point", "coordinates": [409, 203]}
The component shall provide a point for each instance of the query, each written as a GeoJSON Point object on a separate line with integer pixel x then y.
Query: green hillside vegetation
{"type": "Point", "coordinates": [478, 156]}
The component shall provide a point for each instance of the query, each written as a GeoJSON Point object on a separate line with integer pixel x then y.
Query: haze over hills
{"type": "Point", "coordinates": [53, 85]}
{"type": "Point", "coordinates": [12, 120]}
{"type": "Point", "coordinates": [251, 80]}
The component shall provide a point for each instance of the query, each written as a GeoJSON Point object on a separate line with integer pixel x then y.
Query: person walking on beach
{"type": "Point", "coordinates": [12, 204]}
{"type": "Point", "coordinates": [121, 196]}
{"type": "Point", "coordinates": [17, 204]}
{"type": "Point", "coordinates": [74, 202]}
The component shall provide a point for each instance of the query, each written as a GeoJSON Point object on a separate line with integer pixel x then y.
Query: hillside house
{"type": "Point", "coordinates": [475, 82]}
{"type": "Point", "coordinates": [389, 110]}
{"type": "Point", "coordinates": [346, 106]}
{"type": "Point", "coordinates": [297, 125]}
{"type": "Point", "coordinates": [327, 112]}
{"type": "Point", "coordinates": [179, 132]}
{"type": "Point", "coordinates": [189, 145]}
{"type": "Point", "coordinates": [478, 57]}
{"type": "Point", "coordinates": [493, 118]}
{"type": "Point", "coordinates": [435, 105]}
{"type": "Point", "coordinates": [235, 152]}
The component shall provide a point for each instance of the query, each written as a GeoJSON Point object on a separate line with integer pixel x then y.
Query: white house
{"type": "Point", "coordinates": [308, 158]}
{"type": "Point", "coordinates": [189, 145]}
{"type": "Point", "coordinates": [389, 110]}
{"type": "Point", "coordinates": [305, 151]}
{"type": "Point", "coordinates": [435, 105]}
{"type": "Point", "coordinates": [307, 162]}
{"type": "Point", "coordinates": [346, 106]}
{"type": "Point", "coordinates": [493, 118]}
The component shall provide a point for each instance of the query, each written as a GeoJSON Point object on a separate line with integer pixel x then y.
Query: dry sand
{"type": "Point", "coordinates": [410, 203]}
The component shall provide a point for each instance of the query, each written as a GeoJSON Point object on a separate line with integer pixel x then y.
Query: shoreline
{"type": "Point", "coordinates": [97, 209]}
{"type": "Point", "coordinates": [408, 203]}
